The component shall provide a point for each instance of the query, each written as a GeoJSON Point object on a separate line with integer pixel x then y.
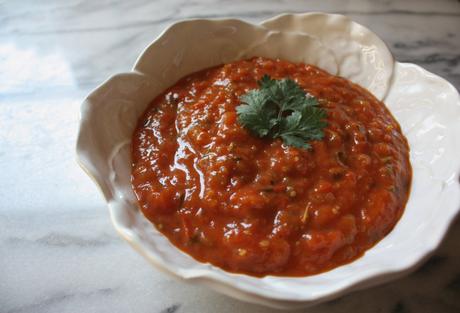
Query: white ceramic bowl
{"type": "Point", "coordinates": [426, 106]}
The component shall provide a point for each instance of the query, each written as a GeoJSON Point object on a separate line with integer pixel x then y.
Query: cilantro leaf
{"type": "Point", "coordinates": [282, 109]}
{"type": "Point", "coordinates": [255, 114]}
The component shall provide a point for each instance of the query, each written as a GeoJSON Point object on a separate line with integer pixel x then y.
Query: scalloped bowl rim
{"type": "Point", "coordinates": [212, 275]}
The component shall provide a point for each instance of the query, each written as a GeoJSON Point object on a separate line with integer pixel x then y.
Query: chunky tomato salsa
{"type": "Point", "coordinates": [256, 205]}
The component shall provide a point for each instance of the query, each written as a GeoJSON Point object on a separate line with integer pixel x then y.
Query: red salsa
{"type": "Point", "coordinates": [256, 206]}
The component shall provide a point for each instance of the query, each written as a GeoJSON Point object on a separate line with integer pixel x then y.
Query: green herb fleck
{"type": "Point", "coordinates": [282, 109]}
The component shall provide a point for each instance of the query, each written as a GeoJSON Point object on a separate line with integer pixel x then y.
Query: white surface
{"type": "Point", "coordinates": [111, 112]}
{"type": "Point", "coordinates": [58, 250]}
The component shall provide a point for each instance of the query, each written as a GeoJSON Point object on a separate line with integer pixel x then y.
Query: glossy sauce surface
{"type": "Point", "coordinates": [256, 206]}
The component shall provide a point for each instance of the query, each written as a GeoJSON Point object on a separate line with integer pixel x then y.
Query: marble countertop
{"type": "Point", "coordinates": [58, 250]}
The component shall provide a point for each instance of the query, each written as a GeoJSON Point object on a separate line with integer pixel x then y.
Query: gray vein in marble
{"type": "Point", "coordinates": [55, 239]}
{"type": "Point", "coordinates": [171, 309]}
{"type": "Point", "coordinates": [94, 29]}
{"type": "Point", "coordinates": [426, 43]}
{"type": "Point", "coordinates": [44, 305]}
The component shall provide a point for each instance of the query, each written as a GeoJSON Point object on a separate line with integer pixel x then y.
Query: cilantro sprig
{"type": "Point", "coordinates": [282, 109]}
